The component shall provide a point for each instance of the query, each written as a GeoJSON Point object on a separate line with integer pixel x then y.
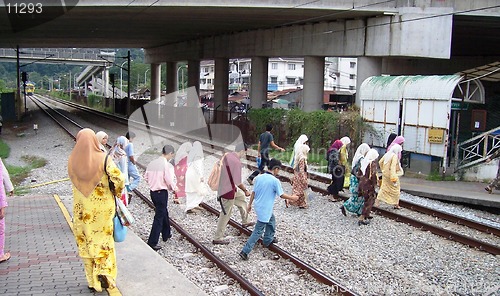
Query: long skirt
{"type": "Point", "coordinates": [299, 187]}
{"type": "Point", "coordinates": [337, 180]}
{"type": "Point", "coordinates": [355, 203]}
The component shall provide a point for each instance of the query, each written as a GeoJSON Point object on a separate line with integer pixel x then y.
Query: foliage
{"type": "Point", "coordinates": [95, 101]}
{"type": "Point", "coordinates": [4, 150]}
{"type": "Point", "coordinates": [436, 176]}
{"type": "Point", "coordinates": [18, 174]}
{"type": "Point", "coordinates": [261, 117]}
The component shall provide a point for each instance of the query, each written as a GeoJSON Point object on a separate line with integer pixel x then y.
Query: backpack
{"type": "Point", "coordinates": [214, 177]}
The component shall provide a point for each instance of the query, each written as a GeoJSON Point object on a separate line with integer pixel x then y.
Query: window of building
{"type": "Point", "coordinates": [205, 69]}
{"type": "Point", "coordinates": [353, 64]}
{"type": "Point", "coordinates": [290, 80]}
{"type": "Point", "coordinates": [274, 66]}
{"type": "Point", "coordinates": [291, 66]}
{"type": "Point", "coordinates": [352, 76]}
{"type": "Point", "coordinates": [351, 87]}
{"type": "Point", "coordinates": [211, 68]}
{"type": "Point", "coordinates": [274, 79]}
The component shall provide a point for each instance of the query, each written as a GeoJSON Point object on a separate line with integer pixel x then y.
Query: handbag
{"type": "Point", "coordinates": [123, 213]}
{"type": "Point", "coordinates": [119, 231]}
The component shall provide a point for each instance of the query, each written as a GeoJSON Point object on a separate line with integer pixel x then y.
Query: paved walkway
{"type": "Point", "coordinates": [455, 191]}
{"type": "Point", "coordinates": [45, 259]}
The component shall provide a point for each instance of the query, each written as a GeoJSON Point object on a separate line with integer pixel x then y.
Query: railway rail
{"type": "Point", "coordinates": [226, 268]}
{"type": "Point", "coordinates": [448, 234]}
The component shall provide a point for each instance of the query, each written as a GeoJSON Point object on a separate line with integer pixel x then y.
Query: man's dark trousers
{"type": "Point", "coordinates": [161, 224]}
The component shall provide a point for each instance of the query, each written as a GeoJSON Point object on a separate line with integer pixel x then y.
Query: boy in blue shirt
{"type": "Point", "coordinates": [265, 190]}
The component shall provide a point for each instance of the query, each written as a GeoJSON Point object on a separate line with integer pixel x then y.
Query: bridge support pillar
{"type": "Point", "coordinates": [258, 86]}
{"type": "Point", "coordinates": [155, 81]}
{"type": "Point", "coordinates": [314, 69]}
{"type": "Point", "coordinates": [105, 82]}
{"type": "Point", "coordinates": [170, 79]}
{"type": "Point", "coordinates": [367, 67]}
{"type": "Point", "coordinates": [221, 85]}
{"type": "Point", "coordinates": [194, 80]}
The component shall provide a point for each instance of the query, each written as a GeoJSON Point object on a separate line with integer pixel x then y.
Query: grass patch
{"type": "Point", "coordinates": [434, 176]}
{"type": "Point", "coordinates": [18, 174]}
{"type": "Point", "coordinates": [4, 150]}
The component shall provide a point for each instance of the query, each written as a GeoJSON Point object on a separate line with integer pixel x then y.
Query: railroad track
{"type": "Point", "coordinates": [212, 147]}
{"type": "Point", "coordinates": [225, 267]}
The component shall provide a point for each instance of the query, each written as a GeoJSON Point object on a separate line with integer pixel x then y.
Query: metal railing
{"type": "Point", "coordinates": [476, 150]}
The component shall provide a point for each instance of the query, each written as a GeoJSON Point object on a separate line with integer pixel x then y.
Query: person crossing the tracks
{"type": "Point", "coordinates": [266, 140]}
{"type": "Point", "coordinates": [180, 168]}
{"type": "Point", "coordinates": [367, 174]}
{"type": "Point", "coordinates": [299, 181]}
{"type": "Point", "coordinates": [390, 190]}
{"type": "Point", "coordinates": [160, 177]}
{"type": "Point", "coordinates": [265, 190]}
{"type": "Point", "coordinates": [132, 168]}
{"type": "Point", "coordinates": [355, 203]}
{"type": "Point", "coordinates": [119, 156]}
{"type": "Point", "coordinates": [195, 189]}
{"type": "Point", "coordinates": [93, 209]}
{"type": "Point", "coordinates": [5, 186]}
{"type": "Point", "coordinates": [335, 168]}
{"type": "Point", "coordinates": [231, 192]}
{"type": "Point", "coordinates": [496, 181]}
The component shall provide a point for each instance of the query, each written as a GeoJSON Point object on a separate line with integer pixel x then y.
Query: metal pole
{"type": "Point", "coordinates": [128, 83]}
{"type": "Point", "coordinates": [18, 86]}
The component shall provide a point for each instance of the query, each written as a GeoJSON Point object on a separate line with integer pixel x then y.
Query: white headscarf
{"type": "Point", "coordinates": [182, 152]}
{"type": "Point", "coordinates": [300, 141]}
{"type": "Point", "coordinates": [346, 141]}
{"type": "Point", "coordinates": [360, 152]}
{"type": "Point", "coordinates": [370, 156]}
{"type": "Point", "coordinates": [100, 135]}
{"type": "Point", "coordinates": [300, 153]}
{"type": "Point", "coordinates": [395, 150]}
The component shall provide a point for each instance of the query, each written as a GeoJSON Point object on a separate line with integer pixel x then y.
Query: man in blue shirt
{"type": "Point", "coordinates": [266, 141]}
{"type": "Point", "coordinates": [265, 190]}
{"type": "Point", "coordinates": [132, 169]}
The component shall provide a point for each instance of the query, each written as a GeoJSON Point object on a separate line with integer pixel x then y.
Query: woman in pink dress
{"type": "Point", "coordinates": [180, 168]}
{"type": "Point", "coordinates": [5, 186]}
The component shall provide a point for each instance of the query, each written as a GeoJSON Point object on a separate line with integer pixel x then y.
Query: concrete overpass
{"type": "Point", "coordinates": [390, 37]}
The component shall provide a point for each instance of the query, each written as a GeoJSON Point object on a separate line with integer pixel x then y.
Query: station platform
{"type": "Point", "coordinates": [471, 193]}
{"type": "Point", "coordinates": [45, 259]}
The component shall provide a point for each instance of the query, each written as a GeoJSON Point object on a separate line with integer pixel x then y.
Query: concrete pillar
{"type": "Point", "coordinates": [221, 84]}
{"type": "Point", "coordinates": [258, 81]}
{"type": "Point", "coordinates": [155, 81]}
{"type": "Point", "coordinates": [171, 77]}
{"type": "Point", "coordinates": [366, 67]}
{"type": "Point", "coordinates": [314, 81]}
{"type": "Point", "coordinates": [194, 80]}
{"type": "Point", "coordinates": [105, 82]}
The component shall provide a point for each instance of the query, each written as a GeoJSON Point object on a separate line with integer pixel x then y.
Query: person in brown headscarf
{"type": "Point", "coordinates": [94, 209]}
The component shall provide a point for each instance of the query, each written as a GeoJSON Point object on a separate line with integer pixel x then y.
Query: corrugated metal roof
{"type": "Point", "coordinates": [394, 88]}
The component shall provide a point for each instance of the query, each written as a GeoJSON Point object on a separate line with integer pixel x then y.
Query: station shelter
{"type": "Point", "coordinates": [425, 110]}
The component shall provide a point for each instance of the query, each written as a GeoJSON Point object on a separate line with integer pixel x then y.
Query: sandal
{"type": "Point", "coordinates": [104, 281]}
{"type": "Point", "coordinates": [286, 203]}
{"type": "Point", "coordinates": [397, 207]}
{"type": "Point", "coordinates": [488, 188]}
{"type": "Point", "coordinates": [5, 257]}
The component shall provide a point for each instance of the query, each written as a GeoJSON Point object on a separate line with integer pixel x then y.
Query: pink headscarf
{"type": "Point", "coordinates": [398, 140]}
{"type": "Point", "coordinates": [337, 144]}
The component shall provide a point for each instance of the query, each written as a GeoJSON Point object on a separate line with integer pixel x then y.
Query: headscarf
{"type": "Point", "coordinates": [300, 153]}
{"type": "Point", "coordinates": [398, 140]}
{"type": "Point", "coordinates": [86, 162]}
{"type": "Point", "coordinates": [395, 150]}
{"type": "Point", "coordinates": [300, 141]}
{"type": "Point", "coordinates": [360, 152]}
{"type": "Point", "coordinates": [370, 156]}
{"type": "Point", "coordinates": [391, 138]}
{"type": "Point", "coordinates": [337, 144]}
{"type": "Point", "coordinates": [196, 152]}
{"type": "Point", "coordinates": [346, 141]}
{"type": "Point", "coordinates": [182, 152]}
{"type": "Point", "coordinates": [100, 135]}
{"type": "Point", "coordinates": [117, 151]}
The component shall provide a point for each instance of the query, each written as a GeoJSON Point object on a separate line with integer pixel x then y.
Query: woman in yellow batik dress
{"type": "Point", "coordinates": [390, 189]}
{"type": "Point", "coordinates": [94, 209]}
{"type": "Point", "coordinates": [344, 156]}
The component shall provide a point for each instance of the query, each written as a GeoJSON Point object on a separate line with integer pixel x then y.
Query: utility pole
{"type": "Point", "coordinates": [18, 94]}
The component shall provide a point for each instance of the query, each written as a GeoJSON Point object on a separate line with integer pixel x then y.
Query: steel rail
{"type": "Point", "coordinates": [245, 284]}
{"type": "Point", "coordinates": [418, 224]}
{"type": "Point", "coordinates": [315, 273]}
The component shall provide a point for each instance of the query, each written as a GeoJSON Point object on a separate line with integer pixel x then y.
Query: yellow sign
{"type": "Point", "coordinates": [436, 136]}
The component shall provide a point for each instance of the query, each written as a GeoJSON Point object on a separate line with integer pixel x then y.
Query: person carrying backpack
{"type": "Point", "coordinates": [231, 192]}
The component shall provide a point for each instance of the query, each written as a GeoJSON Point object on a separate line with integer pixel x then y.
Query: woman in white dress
{"type": "Point", "coordinates": [195, 189]}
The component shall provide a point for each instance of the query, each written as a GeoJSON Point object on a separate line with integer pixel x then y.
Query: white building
{"type": "Point", "coordinates": [284, 73]}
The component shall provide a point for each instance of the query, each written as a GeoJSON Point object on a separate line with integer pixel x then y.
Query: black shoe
{"type": "Point", "coordinates": [155, 247]}
{"type": "Point", "coordinates": [369, 217]}
{"type": "Point", "coordinates": [103, 280]}
{"type": "Point", "coordinates": [342, 209]}
{"type": "Point", "coordinates": [167, 238]}
{"type": "Point", "coordinates": [363, 222]}
{"type": "Point", "coordinates": [129, 198]}
{"type": "Point", "coordinates": [244, 256]}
